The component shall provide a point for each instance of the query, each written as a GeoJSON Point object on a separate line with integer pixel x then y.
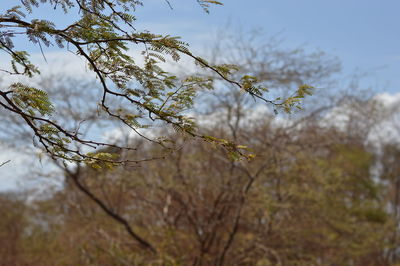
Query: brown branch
{"type": "Point", "coordinates": [144, 243]}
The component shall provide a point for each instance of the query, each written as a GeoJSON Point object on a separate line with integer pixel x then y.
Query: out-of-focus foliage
{"type": "Point", "coordinates": [310, 197]}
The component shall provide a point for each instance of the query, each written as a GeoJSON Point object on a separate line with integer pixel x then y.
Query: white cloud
{"type": "Point", "coordinates": [387, 130]}
{"type": "Point", "coordinates": [379, 118]}
{"type": "Point", "coordinates": [12, 172]}
{"type": "Point", "coordinates": [388, 100]}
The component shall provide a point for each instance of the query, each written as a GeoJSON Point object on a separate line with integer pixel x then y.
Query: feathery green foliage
{"type": "Point", "coordinates": [103, 35]}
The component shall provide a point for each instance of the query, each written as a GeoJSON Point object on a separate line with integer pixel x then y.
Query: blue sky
{"type": "Point", "coordinates": [363, 34]}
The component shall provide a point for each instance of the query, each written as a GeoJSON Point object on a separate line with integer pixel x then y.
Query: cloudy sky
{"type": "Point", "coordinates": [364, 35]}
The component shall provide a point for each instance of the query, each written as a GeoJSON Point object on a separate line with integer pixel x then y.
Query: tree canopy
{"type": "Point", "coordinates": [310, 197]}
